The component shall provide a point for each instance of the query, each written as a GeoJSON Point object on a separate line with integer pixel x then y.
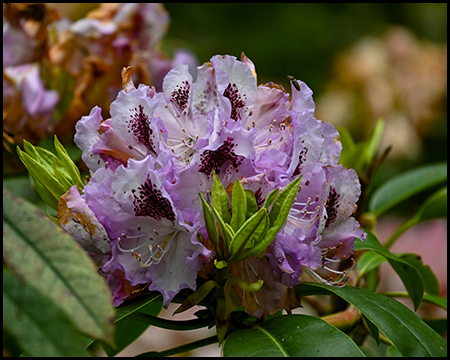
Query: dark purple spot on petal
{"type": "Point", "coordinates": [232, 93]}
{"type": "Point", "coordinates": [140, 126]}
{"type": "Point", "coordinates": [301, 160]}
{"type": "Point", "coordinates": [212, 160]}
{"type": "Point", "coordinates": [149, 201]}
{"type": "Point", "coordinates": [181, 95]}
{"type": "Point", "coordinates": [331, 206]}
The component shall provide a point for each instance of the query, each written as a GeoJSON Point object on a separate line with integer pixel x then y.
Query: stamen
{"type": "Point", "coordinates": [155, 253]}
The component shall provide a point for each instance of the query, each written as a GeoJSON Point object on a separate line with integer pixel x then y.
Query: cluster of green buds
{"type": "Point", "coordinates": [51, 175]}
{"type": "Point", "coordinates": [236, 235]}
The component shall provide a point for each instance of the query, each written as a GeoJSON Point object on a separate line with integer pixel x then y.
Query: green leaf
{"type": "Point", "coordinates": [436, 300]}
{"type": "Point", "coordinates": [36, 323]}
{"type": "Point", "coordinates": [70, 168]}
{"type": "Point", "coordinates": [408, 274]}
{"type": "Point", "coordinates": [427, 298]}
{"type": "Point", "coordinates": [238, 206]}
{"type": "Point", "coordinates": [278, 214]}
{"type": "Point", "coordinates": [374, 141]}
{"type": "Point", "coordinates": [52, 176]}
{"type": "Point", "coordinates": [410, 335]}
{"type": "Point", "coordinates": [369, 261]}
{"type": "Point", "coordinates": [226, 231]}
{"type": "Point", "coordinates": [405, 185]}
{"type": "Point", "coordinates": [291, 335]}
{"type": "Point", "coordinates": [131, 306]}
{"type": "Point", "coordinates": [271, 198]}
{"type": "Point", "coordinates": [430, 282]}
{"type": "Point", "coordinates": [435, 206]}
{"type": "Point", "coordinates": [359, 156]}
{"type": "Point", "coordinates": [49, 259]}
{"type": "Point", "coordinates": [47, 185]}
{"type": "Point", "coordinates": [220, 199]}
{"type": "Point", "coordinates": [283, 202]}
{"type": "Point", "coordinates": [252, 205]}
{"type": "Point", "coordinates": [210, 224]}
{"type": "Point", "coordinates": [128, 329]}
{"type": "Point", "coordinates": [250, 232]}
{"type": "Point", "coordinates": [197, 296]}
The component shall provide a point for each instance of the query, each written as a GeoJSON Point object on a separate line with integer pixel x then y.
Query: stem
{"type": "Point", "coordinates": [180, 349]}
{"type": "Point", "coordinates": [171, 324]}
{"type": "Point", "coordinates": [401, 229]}
{"type": "Point", "coordinates": [344, 320]}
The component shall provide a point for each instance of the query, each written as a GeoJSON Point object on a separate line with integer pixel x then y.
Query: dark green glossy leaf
{"type": "Point", "coordinates": [430, 282]}
{"type": "Point", "coordinates": [128, 329]}
{"type": "Point", "coordinates": [130, 306]}
{"type": "Point", "coordinates": [410, 335]}
{"type": "Point", "coordinates": [38, 326]}
{"type": "Point", "coordinates": [369, 261]}
{"type": "Point", "coordinates": [435, 206]}
{"type": "Point", "coordinates": [408, 274]}
{"type": "Point", "coordinates": [436, 300]}
{"type": "Point", "coordinates": [405, 185]}
{"type": "Point", "coordinates": [291, 335]}
{"type": "Point", "coordinates": [49, 259]}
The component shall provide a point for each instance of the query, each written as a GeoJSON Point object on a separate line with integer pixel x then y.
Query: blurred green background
{"type": "Point", "coordinates": [295, 38]}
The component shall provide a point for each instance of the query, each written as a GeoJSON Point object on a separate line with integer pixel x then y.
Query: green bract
{"type": "Point", "coordinates": [248, 231]}
{"type": "Point", "coordinates": [52, 176]}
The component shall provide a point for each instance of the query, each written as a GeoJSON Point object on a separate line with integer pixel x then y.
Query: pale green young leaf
{"type": "Point", "coordinates": [238, 206]}
{"type": "Point", "coordinates": [220, 199]}
{"type": "Point", "coordinates": [47, 185]}
{"type": "Point", "coordinates": [278, 215]}
{"type": "Point", "coordinates": [211, 227]}
{"type": "Point", "coordinates": [271, 198]}
{"type": "Point", "coordinates": [252, 205]}
{"type": "Point", "coordinates": [71, 169]}
{"type": "Point", "coordinates": [251, 232]}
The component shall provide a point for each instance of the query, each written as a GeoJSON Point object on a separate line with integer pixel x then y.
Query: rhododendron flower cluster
{"type": "Point", "coordinates": [141, 217]}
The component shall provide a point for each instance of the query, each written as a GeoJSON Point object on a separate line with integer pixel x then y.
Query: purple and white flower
{"type": "Point", "coordinates": [159, 150]}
